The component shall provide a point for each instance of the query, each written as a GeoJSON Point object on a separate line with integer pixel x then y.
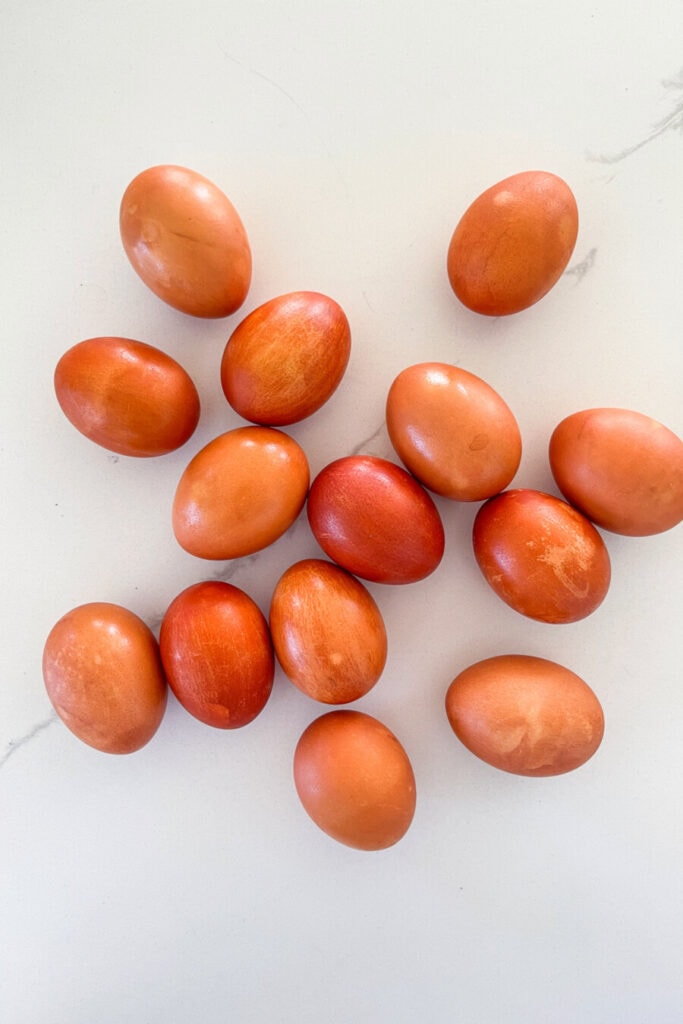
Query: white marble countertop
{"type": "Point", "coordinates": [185, 883]}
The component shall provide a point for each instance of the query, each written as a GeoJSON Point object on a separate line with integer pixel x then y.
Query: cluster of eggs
{"type": "Point", "coordinates": [105, 672]}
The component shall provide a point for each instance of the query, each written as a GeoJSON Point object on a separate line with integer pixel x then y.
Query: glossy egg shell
{"type": "Point", "coordinates": [375, 520]}
{"type": "Point", "coordinates": [354, 780]}
{"type": "Point", "coordinates": [103, 675]}
{"type": "Point", "coordinates": [525, 715]}
{"type": "Point", "coordinates": [513, 243]}
{"type": "Point", "coordinates": [541, 556]}
{"type": "Point", "coordinates": [185, 240]}
{"type": "Point", "coordinates": [286, 358]}
{"type": "Point", "coordinates": [328, 633]}
{"type": "Point", "coordinates": [453, 431]}
{"type": "Point", "coordinates": [623, 469]}
{"type": "Point", "coordinates": [240, 493]}
{"type": "Point", "coordinates": [217, 654]}
{"type": "Point", "coordinates": [127, 396]}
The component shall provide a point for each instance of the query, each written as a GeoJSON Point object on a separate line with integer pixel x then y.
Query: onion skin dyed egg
{"type": "Point", "coordinates": [354, 780]}
{"type": "Point", "coordinates": [513, 243]}
{"type": "Point", "coordinates": [328, 633]}
{"type": "Point", "coordinates": [453, 431]}
{"type": "Point", "coordinates": [525, 715]}
{"type": "Point", "coordinates": [375, 520]}
{"type": "Point", "coordinates": [240, 493]}
{"type": "Point", "coordinates": [127, 396]}
{"type": "Point", "coordinates": [286, 358]}
{"type": "Point", "coordinates": [622, 469]}
{"type": "Point", "coordinates": [217, 654]}
{"type": "Point", "coordinates": [104, 678]}
{"type": "Point", "coordinates": [541, 556]}
{"type": "Point", "coordinates": [186, 241]}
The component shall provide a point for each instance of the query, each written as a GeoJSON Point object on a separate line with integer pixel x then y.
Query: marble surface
{"type": "Point", "coordinates": [185, 882]}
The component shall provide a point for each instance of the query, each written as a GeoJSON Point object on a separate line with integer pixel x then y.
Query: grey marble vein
{"type": "Point", "coordinates": [21, 741]}
{"type": "Point", "coordinates": [672, 122]}
{"type": "Point", "coordinates": [580, 269]}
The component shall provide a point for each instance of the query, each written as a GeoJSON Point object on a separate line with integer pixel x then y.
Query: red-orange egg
{"type": "Point", "coordinates": [185, 240]}
{"type": "Point", "coordinates": [103, 675]}
{"type": "Point", "coordinates": [328, 632]}
{"type": "Point", "coordinates": [453, 431]}
{"type": "Point", "coordinates": [513, 243]}
{"type": "Point", "coordinates": [217, 654]}
{"type": "Point", "coordinates": [355, 780]}
{"type": "Point", "coordinates": [525, 715]}
{"type": "Point", "coordinates": [541, 556]}
{"type": "Point", "coordinates": [127, 396]}
{"type": "Point", "coordinates": [623, 469]}
{"type": "Point", "coordinates": [240, 493]}
{"type": "Point", "coordinates": [286, 358]}
{"type": "Point", "coordinates": [375, 520]}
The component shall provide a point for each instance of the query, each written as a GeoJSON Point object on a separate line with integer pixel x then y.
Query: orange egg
{"type": "Point", "coordinates": [286, 358]}
{"type": "Point", "coordinates": [525, 715]}
{"type": "Point", "coordinates": [621, 468]}
{"type": "Point", "coordinates": [354, 780]}
{"type": "Point", "coordinates": [217, 654]}
{"type": "Point", "coordinates": [127, 396]}
{"type": "Point", "coordinates": [186, 241]}
{"type": "Point", "coordinates": [541, 556]}
{"type": "Point", "coordinates": [328, 632]}
{"type": "Point", "coordinates": [103, 675]}
{"type": "Point", "coordinates": [453, 431]}
{"type": "Point", "coordinates": [240, 493]}
{"type": "Point", "coordinates": [513, 243]}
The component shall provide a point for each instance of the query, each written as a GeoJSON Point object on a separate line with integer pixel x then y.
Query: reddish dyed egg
{"type": "Point", "coordinates": [525, 715]}
{"type": "Point", "coordinates": [328, 632]}
{"type": "Point", "coordinates": [103, 675]}
{"type": "Point", "coordinates": [375, 520]}
{"type": "Point", "coordinates": [127, 396]}
{"type": "Point", "coordinates": [354, 780]}
{"type": "Point", "coordinates": [453, 431]}
{"type": "Point", "coordinates": [513, 243]}
{"type": "Point", "coordinates": [240, 493]}
{"type": "Point", "coordinates": [185, 240]}
{"type": "Point", "coordinates": [541, 556]}
{"type": "Point", "coordinates": [621, 468]}
{"type": "Point", "coordinates": [217, 654]}
{"type": "Point", "coordinates": [286, 358]}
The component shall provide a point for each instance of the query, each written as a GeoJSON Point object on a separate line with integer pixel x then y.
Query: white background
{"type": "Point", "coordinates": [185, 883]}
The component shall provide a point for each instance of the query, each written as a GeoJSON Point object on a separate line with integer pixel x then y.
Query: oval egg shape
{"type": "Point", "coordinates": [375, 520]}
{"type": "Point", "coordinates": [127, 396]}
{"type": "Point", "coordinates": [513, 243]}
{"type": "Point", "coordinates": [328, 633]}
{"type": "Point", "coordinates": [286, 358]}
{"type": "Point", "coordinates": [541, 556]}
{"type": "Point", "coordinates": [185, 240]}
{"type": "Point", "coordinates": [217, 654]}
{"type": "Point", "coordinates": [622, 469]}
{"type": "Point", "coordinates": [355, 780]}
{"type": "Point", "coordinates": [525, 715]}
{"type": "Point", "coordinates": [240, 493]}
{"type": "Point", "coordinates": [104, 677]}
{"type": "Point", "coordinates": [453, 431]}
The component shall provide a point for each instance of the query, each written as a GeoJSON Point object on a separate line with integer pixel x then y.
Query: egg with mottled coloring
{"type": "Point", "coordinates": [525, 715]}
